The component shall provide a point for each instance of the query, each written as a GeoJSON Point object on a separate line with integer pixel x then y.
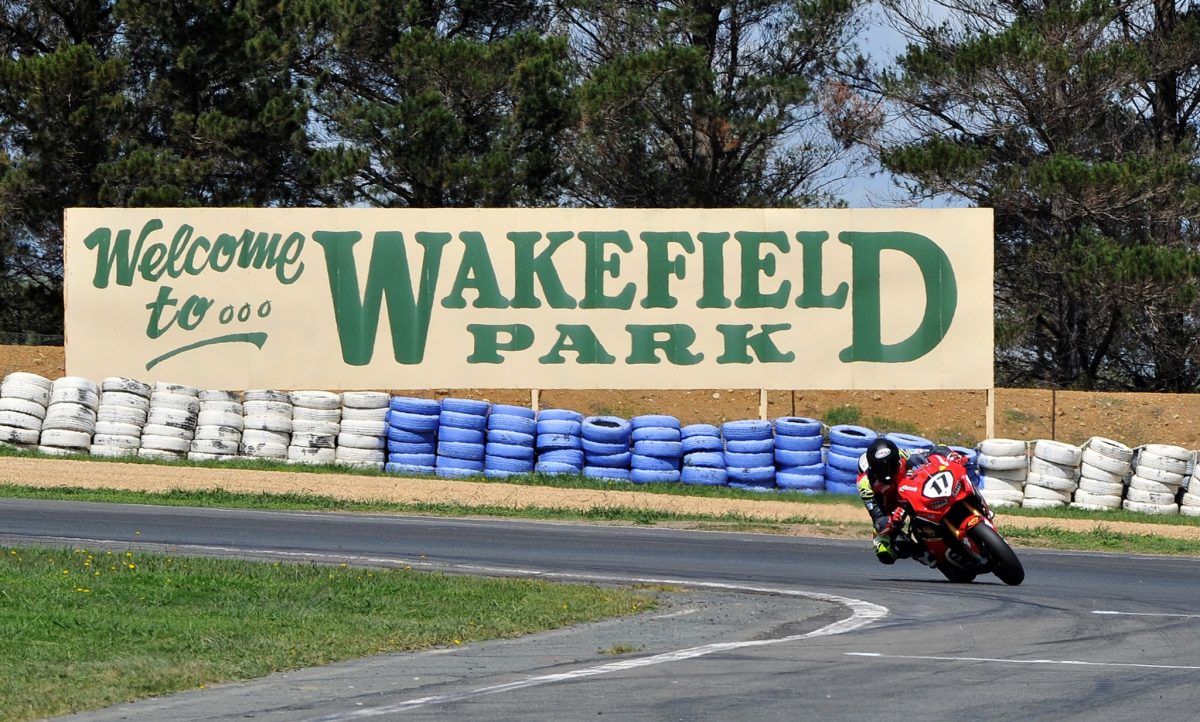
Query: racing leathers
{"type": "Point", "coordinates": [892, 541]}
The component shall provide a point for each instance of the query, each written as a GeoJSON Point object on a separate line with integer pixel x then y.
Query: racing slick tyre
{"type": "Point", "coordinates": [1005, 564]}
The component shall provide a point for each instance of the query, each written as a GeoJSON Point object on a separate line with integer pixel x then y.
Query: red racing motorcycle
{"type": "Point", "coordinates": [945, 518]}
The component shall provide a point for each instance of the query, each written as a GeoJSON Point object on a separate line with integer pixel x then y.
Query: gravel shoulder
{"type": "Point", "coordinates": [48, 473]}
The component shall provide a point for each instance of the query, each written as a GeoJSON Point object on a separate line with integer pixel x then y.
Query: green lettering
{"type": "Point", "coordinates": [527, 265]}
{"type": "Point", "coordinates": [224, 245]}
{"type": "Point", "coordinates": [118, 254]}
{"type": "Point", "coordinates": [581, 340]}
{"type": "Point", "coordinates": [673, 340]}
{"type": "Point", "coordinates": [153, 263]}
{"type": "Point", "coordinates": [293, 246]}
{"type": "Point", "coordinates": [475, 271]}
{"type": "Point", "coordinates": [388, 276]}
{"type": "Point", "coordinates": [189, 263]}
{"type": "Point", "coordinates": [941, 296]}
{"type": "Point", "coordinates": [738, 340]}
{"type": "Point", "coordinates": [597, 266]}
{"type": "Point", "coordinates": [753, 264]}
{"type": "Point", "coordinates": [156, 307]}
{"type": "Point", "coordinates": [811, 296]}
{"type": "Point", "coordinates": [488, 345]}
{"type": "Point", "coordinates": [714, 270]}
{"type": "Point", "coordinates": [659, 268]}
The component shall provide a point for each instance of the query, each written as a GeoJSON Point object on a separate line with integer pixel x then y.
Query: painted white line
{"type": "Point", "coordinates": [862, 613]}
{"type": "Point", "coordinates": [1144, 614]}
{"type": "Point", "coordinates": [1064, 662]}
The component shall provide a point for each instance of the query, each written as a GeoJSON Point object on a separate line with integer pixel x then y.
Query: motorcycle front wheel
{"type": "Point", "coordinates": [1005, 564]}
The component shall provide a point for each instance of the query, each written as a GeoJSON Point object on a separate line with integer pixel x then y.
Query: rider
{"type": "Point", "coordinates": [880, 470]}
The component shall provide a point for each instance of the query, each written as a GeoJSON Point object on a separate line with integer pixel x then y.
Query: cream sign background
{"type": "Point", "coordinates": [547, 298]}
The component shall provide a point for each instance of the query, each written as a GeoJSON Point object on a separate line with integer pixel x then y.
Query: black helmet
{"type": "Point", "coordinates": [883, 460]}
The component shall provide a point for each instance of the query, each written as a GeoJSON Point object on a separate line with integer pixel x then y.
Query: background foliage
{"type": "Point", "coordinates": [1078, 121]}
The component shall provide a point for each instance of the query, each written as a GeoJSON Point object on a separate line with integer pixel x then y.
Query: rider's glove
{"type": "Point", "coordinates": [895, 520]}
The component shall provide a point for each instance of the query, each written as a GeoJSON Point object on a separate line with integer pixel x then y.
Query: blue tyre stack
{"type": "Point", "coordinates": [461, 437]}
{"type": "Point", "coordinates": [749, 454]}
{"type": "Point", "coordinates": [847, 444]}
{"type": "Point", "coordinates": [909, 442]}
{"type": "Point", "coordinates": [703, 455]}
{"type": "Point", "coordinates": [412, 435]}
{"type": "Point", "coordinates": [510, 439]}
{"type": "Point", "coordinates": [657, 449]}
{"type": "Point", "coordinates": [798, 462]}
{"type": "Point", "coordinates": [606, 453]}
{"type": "Point", "coordinates": [559, 442]}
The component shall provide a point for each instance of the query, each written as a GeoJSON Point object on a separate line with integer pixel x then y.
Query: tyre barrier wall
{"type": "Point", "coordinates": [1100, 475]}
{"type": "Point", "coordinates": [458, 437]}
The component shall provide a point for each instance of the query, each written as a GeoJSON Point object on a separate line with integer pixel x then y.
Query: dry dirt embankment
{"type": "Point", "coordinates": [148, 477]}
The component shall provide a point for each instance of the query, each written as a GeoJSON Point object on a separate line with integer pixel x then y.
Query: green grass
{"type": "Point", "coordinates": [82, 629]}
{"type": "Point", "coordinates": [1100, 539]}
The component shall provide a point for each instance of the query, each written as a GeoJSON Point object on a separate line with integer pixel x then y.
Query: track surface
{"type": "Point", "coordinates": [1087, 637]}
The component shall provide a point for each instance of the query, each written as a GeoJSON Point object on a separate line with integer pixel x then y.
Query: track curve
{"type": "Point", "coordinates": [1087, 636]}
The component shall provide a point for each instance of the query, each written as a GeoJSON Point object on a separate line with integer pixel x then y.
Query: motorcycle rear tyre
{"type": "Point", "coordinates": [955, 574]}
{"type": "Point", "coordinates": [1005, 564]}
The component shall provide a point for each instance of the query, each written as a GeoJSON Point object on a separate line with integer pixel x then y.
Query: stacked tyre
{"type": "Point", "coordinates": [70, 419]}
{"type": "Point", "coordinates": [606, 452]}
{"type": "Point", "coordinates": [219, 425]}
{"type": "Point", "coordinates": [1189, 500]}
{"type": "Point", "coordinates": [1158, 473]}
{"type": "Point", "coordinates": [462, 436]}
{"type": "Point", "coordinates": [511, 432]}
{"type": "Point", "coordinates": [1053, 475]}
{"type": "Point", "coordinates": [847, 444]}
{"type": "Point", "coordinates": [171, 422]}
{"type": "Point", "coordinates": [317, 421]}
{"type": "Point", "coordinates": [23, 401]}
{"type": "Point", "coordinates": [412, 435]}
{"type": "Point", "coordinates": [1003, 467]}
{"type": "Point", "coordinates": [798, 462]}
{"type": "Point", "coordinates": [749, 454]}
{"type": "Point", "coordinates": [657, 449]}
{"type": "Point", "coordinates": [1104, 466]}
{"type": "Point", "coordinates": [267, 421]}
{"type": "Point", "coordinates": [910, 442]}
{"type": "Point", "coordinates": [362, 434]}
{"type": "Point", "coordinates": [559, 442]}
{"type": "Point", "coordinates": [124, 406]}
{"type": "Point", "coordinates": [703, 456]}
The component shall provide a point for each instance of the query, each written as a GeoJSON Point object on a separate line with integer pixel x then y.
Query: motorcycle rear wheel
{"type": "Point", "coordinates": [1005, 564]}
{"type": "Point", "coordinates": [958, 575]}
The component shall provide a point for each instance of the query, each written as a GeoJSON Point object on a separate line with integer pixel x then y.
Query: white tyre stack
{"type": "Point", "coordinates": [1002, 467]}
{"type": "Point", "coordinates": [171, 422]}
{"type": "Point", "coordinates": [316, 422]}
{"type": "Point", "coordinates": [362, 442]}
{"type": "Point", "coordinates": [218, 427]}
{"type": "Point", "coordinates": [267, 416]}
{"type": "Point", "coordinates": [1053, 475]}
{"type": "Point", "coordinates": [1158, 472]}
{"type": "Point", "coordinates": [1104, 466]}
{"type": "Point", "coordinates": [23, 401]}
{"type": "Point", "coordinates": [1189, 502]}
{"type": "Point", "coordinates": [124, 407]}
{"type": "Point", "coordinates": [71, 416]}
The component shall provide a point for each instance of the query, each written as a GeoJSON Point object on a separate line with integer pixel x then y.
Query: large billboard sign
{"type": "Point", "coordinates": [531, 298]}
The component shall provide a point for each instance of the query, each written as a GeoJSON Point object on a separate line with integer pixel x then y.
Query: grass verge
{"type": "Point", "coordinates": [86, 629]}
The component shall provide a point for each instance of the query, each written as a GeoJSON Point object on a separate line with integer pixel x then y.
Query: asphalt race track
{"type": "Point", "coordinates": [763, 627]}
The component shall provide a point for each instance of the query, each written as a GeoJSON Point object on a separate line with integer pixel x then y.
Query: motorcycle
{"type": "Point", "coordinates": [945, 517]}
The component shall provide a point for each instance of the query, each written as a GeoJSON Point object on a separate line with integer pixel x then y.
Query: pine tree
{"type": "Point", "coordinates": [709, 104]}
{"type": "Point", "coordinates": [1078, 122]}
